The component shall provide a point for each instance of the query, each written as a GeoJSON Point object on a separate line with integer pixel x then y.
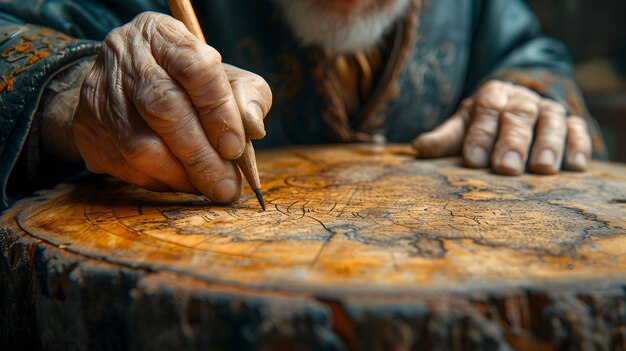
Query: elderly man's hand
{"type": "Point", "coordinates": [504, 126]}
{"type": "Point", "coordinates": [161, 111]}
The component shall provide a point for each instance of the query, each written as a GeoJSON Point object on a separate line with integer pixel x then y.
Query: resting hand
{"type": "Point", "coordinates": [506, 126]}
{"type": "Point", "coordinates": [161, 111]}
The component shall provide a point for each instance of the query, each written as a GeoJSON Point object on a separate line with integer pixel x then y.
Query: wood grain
{"type": "Point", "coordinates": [362, 247]}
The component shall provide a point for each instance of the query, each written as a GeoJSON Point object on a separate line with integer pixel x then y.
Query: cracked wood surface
{"type": "Point", "coordinates": [366, 237]}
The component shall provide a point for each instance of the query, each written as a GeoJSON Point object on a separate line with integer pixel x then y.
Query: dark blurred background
{"type": "Point", "coordinates": [595, 32]}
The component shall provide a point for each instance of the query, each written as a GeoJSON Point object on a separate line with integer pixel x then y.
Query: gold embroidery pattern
{"type": "Point", "coordinates": [31, 48]}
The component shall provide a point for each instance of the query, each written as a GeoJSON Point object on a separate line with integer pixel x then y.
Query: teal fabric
{"type": "Point", "coordinates": [460, 43]}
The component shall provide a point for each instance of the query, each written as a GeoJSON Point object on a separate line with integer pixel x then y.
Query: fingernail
{"type": "Point", "coordinates": [478, 156]}
{"type": "Point", "coordinates": [225, 190]}
{"type": "Point", "coordinates": [579, 161]}
{"type": "Point", "coordinates": [256, 119]}
{"type": "Point", "coordinates": [546, 158]}
{"type": "Point", "coordinates": [512, 161]}
{"type": "Point", "coordinates": [230, 146]}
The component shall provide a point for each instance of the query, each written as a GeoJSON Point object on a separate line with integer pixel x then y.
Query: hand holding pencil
{"type": "Point", "coordinates": [183, 11]}
{"type": "Point", "coordinates": [160, 110]}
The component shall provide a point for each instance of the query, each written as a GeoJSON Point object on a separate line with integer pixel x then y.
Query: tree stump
{"type": "Point", "coordinates": [361, 248]}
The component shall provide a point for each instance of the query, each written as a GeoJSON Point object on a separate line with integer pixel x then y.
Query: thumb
{"type": "Point", "coordinates": [254, 99]}
{"type": "Point", "coordinates": [446, 139]}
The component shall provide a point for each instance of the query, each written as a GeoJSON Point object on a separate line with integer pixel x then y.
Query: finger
{"type": "Point", "coordinates": [483, 128]}
{"type": "Point", "coordinates": [254, 99]}
{"type": "Point", "coordinates": [147, 153]}
{"type": "Point", "coordinates": [87, 125]}
{"type": "Point", "coordinates": [198, 68]}
{"type": "Point", "coordinates": [143, 149]}
{"type": "Point", "coordinates": [517, 123]}
{"type": "Point", "coordinates": [86, 132]}
{"type": "Point", "coordinates": [550, 134]}
{"type": "Point", "coordinates": [120, 169]}
{"type": "Point", "coordinates": [166, 108]}
{"type": "Point", "coordinates": [445, 140]}
{"type": "Point", "coordinates": [578, 147]}
{"type": "Point", "coordinates": [104, 158]}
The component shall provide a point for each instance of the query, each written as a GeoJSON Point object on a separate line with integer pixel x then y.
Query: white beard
{"type": "Point", "coordinates": [340, 33]}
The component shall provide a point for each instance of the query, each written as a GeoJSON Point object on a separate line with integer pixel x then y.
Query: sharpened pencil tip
{"type": "Point", "coordinates": [259, 196]}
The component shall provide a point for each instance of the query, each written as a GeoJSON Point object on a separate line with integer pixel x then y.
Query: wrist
{"type": "Point", "coordinates": [57, 110]}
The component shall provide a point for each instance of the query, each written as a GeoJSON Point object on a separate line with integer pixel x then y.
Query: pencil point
{"type": "Point", "coordinates": [259, 196]}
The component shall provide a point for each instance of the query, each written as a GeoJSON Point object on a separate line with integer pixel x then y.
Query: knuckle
{"type": "Point", "coordinates": [197, 162]}
{"type": "Point", "coordinates": [114, 40]}
{"type": "Point", "coordinates": [551, 107]}
{"type": "Point", "coordinates": [253, 87]}
{"type": "Point", "coordinates": [521, 109]}
{"type": "Point", "coordinates": [494, 85]}
{"type": "Point", "coordinates": [577, 123]}
{"type": "Point", "coordinates": [523, 91]}
{"type": "Point", "coordinates": [196, 159]}
{"type": "Point", "coordinates": [163, 103]}
{"type": "Point", "coordinates": [167, 29]}
{"type": "Point", "coordinates": [142, 152]}
{"type": "Point", "coordinates": [481, 133]}
{"type": "Point", "coordinates": [490, 103]}
{"type": "Point", "coordinates": [214, 108]}
{"type": "Point", "coordinates": [257, 81]}
{"type": "Point", "coordinates": [148, 76]}
{"type": "Point", "coordinates": [516, 136]}
{"type": "Point", "coordinates": [159, 19]}
{"type": "Point", "coordinates": [149, 19]}
{"type": "Point", "coordinates": [143, 17]}
{"type": "Point", "coordinates": [549, 117]}
{"type": "Point", "coordinates": [466, 103]}
{"type": "Point", "coordinates": [198, 68]}
{"type": "Point", "coordinates": [483, 107]}
{"type": "Point", "coordinates": [259, 86]}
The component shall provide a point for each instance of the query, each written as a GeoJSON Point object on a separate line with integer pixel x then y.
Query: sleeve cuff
{"type": "Point", "coordinates": [29, 58]}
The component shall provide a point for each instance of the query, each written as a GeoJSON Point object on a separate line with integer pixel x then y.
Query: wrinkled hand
{"type": "Point", "coordinates": [160, 110]}
{"type": "Point", "coordinates": [503, 125]}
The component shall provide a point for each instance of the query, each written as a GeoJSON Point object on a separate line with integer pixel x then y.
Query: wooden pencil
{"type": "Point", "coordinates": [182, 10]}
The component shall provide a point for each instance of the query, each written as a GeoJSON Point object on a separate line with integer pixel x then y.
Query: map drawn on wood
{"type": "Point", "coordinates": [355, 218]}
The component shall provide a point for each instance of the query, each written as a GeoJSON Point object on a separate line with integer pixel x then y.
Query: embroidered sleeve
{"type": "Point", "coordinates": [29, 57]}
{"type": "Point", "coordinates": [38, 39]}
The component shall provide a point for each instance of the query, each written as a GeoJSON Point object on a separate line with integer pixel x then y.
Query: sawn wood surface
{"type": "Point", "coordinates": [405, 242]}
